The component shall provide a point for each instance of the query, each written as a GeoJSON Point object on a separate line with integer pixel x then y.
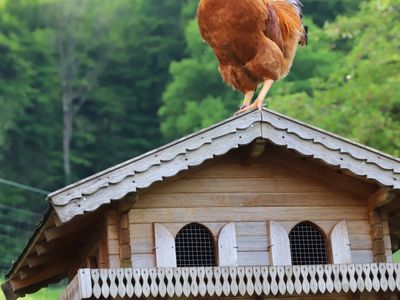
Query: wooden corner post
{"type": "Point", "coordinates": [379, 223]}
{"type": "Point", "coordinates": [8, 291]}
{"type": "Point", "coordinates": [118, 240]}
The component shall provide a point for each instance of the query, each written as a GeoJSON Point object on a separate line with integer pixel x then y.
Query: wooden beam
{"type": "Point", "coordinates": [31, 247]}
{"type": "Point", "coordinates": [381, 198]}
{"type": "Point", "coordinates": [257, 148]}
{"type": "Point", "coordinates": [395, 243]}
{"type": "Point", "coordinates": [38, 260]}
{"type": "Point", "coordinates": [57, 220]}
{"type": "Point", "coordinates": [54, 233]}
{"type": "Point", "coordinates": [75, 235]}
{"type": "Point", "coordinates": [253, 151]}
{"type": "Point", "coordinates": [126, 204]}
{"type": "Point", "coordinates": [8, 291]}
{"type": "Point", "coordinates": [377, 232]}
{"type": "Point", "coordinates": [394, 230]}
{"type": "Point", "coordinates": [36, 287]}
{"type": "Point", "coordinates": [40, 274]}
{"type": "Point", "coordinates": [46, 247]}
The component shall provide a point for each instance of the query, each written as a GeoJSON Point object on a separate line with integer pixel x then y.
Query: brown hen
{"type": "Point", "coordinates": [255, 41]}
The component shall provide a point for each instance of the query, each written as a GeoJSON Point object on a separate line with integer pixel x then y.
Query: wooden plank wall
{"type": "Point", "coordinates": [277, 186]}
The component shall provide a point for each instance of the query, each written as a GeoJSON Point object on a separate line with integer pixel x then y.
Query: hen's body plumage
{"type": "Point", "coordinates": [254, 41]}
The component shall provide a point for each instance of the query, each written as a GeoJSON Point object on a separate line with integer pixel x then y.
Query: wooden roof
{"type": "Point", "coordinates": [139, 173]}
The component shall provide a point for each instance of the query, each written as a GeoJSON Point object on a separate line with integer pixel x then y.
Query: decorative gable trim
{"type": "Point", "coordinates": [331, 149]}
{"type": "Point", "coordinates": [140, 173]}
{"type": "Point", "coordinates": [114, 184]}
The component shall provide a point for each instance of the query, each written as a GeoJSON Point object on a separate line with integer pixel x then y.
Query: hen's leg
{"type": "Point", "coordinates": [263, 93]}
{"type": "Point", "coordinates": [246, 102]}
{"type": "Point", "coordinates": [260, 99]}
{"type": "Point", "coordinates": [247, 99]}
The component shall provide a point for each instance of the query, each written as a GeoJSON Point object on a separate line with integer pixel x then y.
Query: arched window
{"type": "Point", "coordinates": [194, 247]}
{"type": "Point", "coordinates": [307, 245]}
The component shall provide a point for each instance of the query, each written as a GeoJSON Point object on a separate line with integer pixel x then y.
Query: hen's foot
{"type": "Point", "coordinates": [248, 108]}
{"type": "Point", "coordinates": [242, 110]}
{"type": "Point", "coordinates": [259, 103]}
{"type": "Point", "coordinates": [246, 102]}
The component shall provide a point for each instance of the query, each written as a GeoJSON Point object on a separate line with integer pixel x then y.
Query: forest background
{"type": "Point", "coordinates": [86, 84]}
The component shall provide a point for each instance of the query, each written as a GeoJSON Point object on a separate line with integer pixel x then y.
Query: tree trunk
{"type": "Point", "coordinates": [77, 79]}
{"type": "Point", "coordinates": [68, 120]}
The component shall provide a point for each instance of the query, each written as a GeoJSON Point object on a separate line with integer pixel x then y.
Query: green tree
{"type": "Point", "coordinates": [117, 116]}
{"type": "Point", "coordinates": [321, 11]}
{"type": "Point", "coordinates": [361, 97]}
{"type": "Point", "coordinates": [121, 120]}
{"type": "Point", "coordinates": [79, 62]}
{"type": "Point", "coordinates": [15, 70]}
{"type": "Point", "coordinates": [26, 89]}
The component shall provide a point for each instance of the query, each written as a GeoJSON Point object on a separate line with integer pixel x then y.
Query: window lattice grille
{"type": "Point", "coordinates": [307, 245]}
{"type": "Point", "coordinates": [194, 247]}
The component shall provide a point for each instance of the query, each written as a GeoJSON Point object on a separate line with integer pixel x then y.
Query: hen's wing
{"type": "Point", "coordinates": [283, 17]}
{"type": "Point", "coordinates": [272, 29]}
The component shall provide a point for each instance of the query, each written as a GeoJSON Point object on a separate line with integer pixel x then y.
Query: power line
{"type": "Point", "coordinates": [20, 210]}
{"type": "Point", "coordinates": [23, 186]}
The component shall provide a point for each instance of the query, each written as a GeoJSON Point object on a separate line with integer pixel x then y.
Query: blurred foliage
{"type": "Point", "coordinates": [361, 97]}
{"type": "Point", "coordinates": [396, 257]}
{"type": "Point", "coordinates": [322, 11]}
{"type": "Point", "coordinates": [119, 119]}
{"type": "Point", "coordinates": [345, 81]}
{"type": "Point", "coordinates": [161, 82]}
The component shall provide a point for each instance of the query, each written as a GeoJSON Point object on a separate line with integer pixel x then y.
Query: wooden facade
{"type": "Point", "coordinates": [272, 188]}
{"type": "Point", "coordinates": [113, 235]}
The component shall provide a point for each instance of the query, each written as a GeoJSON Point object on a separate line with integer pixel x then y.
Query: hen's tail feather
{"type": "Point", "coordinates": [288, 13]}
{"type": "Point", "coordinates": [298, 5]}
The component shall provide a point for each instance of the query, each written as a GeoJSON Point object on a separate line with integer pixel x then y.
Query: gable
{"type": "Point", "coordinates": [279, 186]}
{"type": "Point", "coordinates": [275, 173]}
{"type": "Point", "coordinates": [193, 150]}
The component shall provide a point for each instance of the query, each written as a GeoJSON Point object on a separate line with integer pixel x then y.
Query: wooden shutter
{"type": "Point", "coordinates": [165, 247]}
{"type": "Point", "coordinates": [280, 245]}
{"type": "Point", "coordinates": [340, 244]}
{"type": "Point", "coordinates": [227, 247]}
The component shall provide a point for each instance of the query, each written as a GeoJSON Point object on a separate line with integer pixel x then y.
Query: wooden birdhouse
{"type": "Point", "coordinates": [257, 206]}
